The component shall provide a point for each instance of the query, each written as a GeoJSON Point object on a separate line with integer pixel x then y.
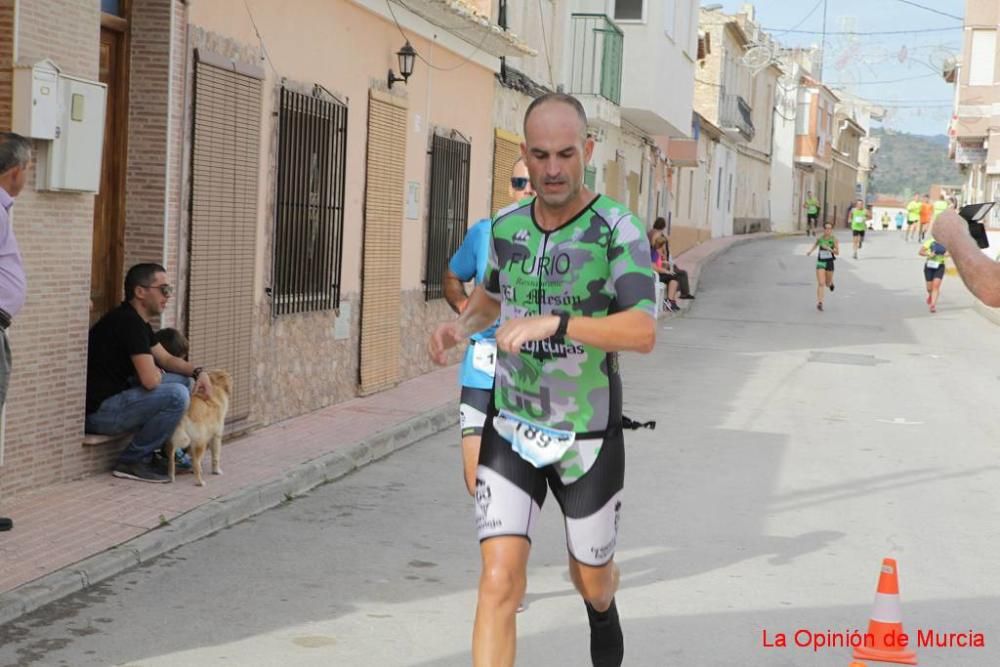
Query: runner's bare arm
{"type": "Point", "coordinates": [632, 331]}
{"type": "Point", "coordinates": [454, 291]}
{"type": "Point", "coordinates": [480, 312]}
{"type": "Point", "coordinates": [978, 272]}
{"type": "Point", "coordinates": [812, 248]}
{"type": "Point", "coordinates": [629, 331]}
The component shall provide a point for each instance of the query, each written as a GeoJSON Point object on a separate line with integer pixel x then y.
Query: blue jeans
{"type": "Point", "coordinates": [154, 414]}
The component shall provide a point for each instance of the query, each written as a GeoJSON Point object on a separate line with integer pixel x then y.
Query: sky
{"type": "Point", "coordinates": [872, 66]}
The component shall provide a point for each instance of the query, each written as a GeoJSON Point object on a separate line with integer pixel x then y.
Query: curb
{"type": "Point", "coordinates": [221, 513]}
{"type": "Point", "coordinates": [695, 274]}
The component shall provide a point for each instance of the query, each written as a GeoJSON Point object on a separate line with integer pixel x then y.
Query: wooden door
{"type": "Point", "coordinates": [107, 256]}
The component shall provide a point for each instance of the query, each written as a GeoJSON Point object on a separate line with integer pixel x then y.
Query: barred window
{"type": "Point", "coordinates": [449, 209]}
{"type": "Point", "coordinates": [309, 221]}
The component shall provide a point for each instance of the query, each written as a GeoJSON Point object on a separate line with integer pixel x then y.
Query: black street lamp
{"type": "Point", "coordinates": [406, 55]}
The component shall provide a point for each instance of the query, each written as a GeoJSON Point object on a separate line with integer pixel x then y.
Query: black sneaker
{"type": "Point", "coordinates": [687, 296]}
{"type": "Point", "coordinates": [142, 472]}
{"type": "Point", "coordinates": [182, 461]}
{"type": "Point", "coordinates": [607, 645]}
{"type": "Point", "coordinates": [5, 523]}
{"type": "Point", "coordinates": [831, 287]}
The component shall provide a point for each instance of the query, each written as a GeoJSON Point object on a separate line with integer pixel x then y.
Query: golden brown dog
{"type": "Point", "coordinates": [202, 427]}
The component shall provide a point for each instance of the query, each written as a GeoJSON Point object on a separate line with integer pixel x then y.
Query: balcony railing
{"type": "Point", "coordinates": [597, 57]}
{"type": "Point", "coordinates": [734, 112]}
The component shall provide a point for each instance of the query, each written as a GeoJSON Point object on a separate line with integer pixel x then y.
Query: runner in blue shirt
{"type": "Point", "coordinates": [476, 375]}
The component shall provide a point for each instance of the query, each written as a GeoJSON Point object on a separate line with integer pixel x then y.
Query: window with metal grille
{"type": "Point", "coordinates": [309, 221]}
{"type": "Point", "coordinates": [449, 209]}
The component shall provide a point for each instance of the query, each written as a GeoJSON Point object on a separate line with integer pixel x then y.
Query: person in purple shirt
{"type": "Point", "coordinates": [15, 158]}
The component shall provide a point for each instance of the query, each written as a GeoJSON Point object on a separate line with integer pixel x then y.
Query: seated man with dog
{"type": "Point", "coordinates": [133, 383]}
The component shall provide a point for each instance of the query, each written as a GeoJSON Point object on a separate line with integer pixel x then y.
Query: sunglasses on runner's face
{"type": "Point", "coordinates": [165, 290]}
{"type": "Point", "coordinates": [519, 182]}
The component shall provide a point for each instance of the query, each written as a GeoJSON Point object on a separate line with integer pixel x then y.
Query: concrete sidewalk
{"type": "Point", "coordinates": [70, 536]}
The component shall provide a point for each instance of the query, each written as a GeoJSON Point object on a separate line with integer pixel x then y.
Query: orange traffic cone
{"type": "Point", "coordinates": [886, 623]}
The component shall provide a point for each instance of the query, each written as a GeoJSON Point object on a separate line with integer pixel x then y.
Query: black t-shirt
{"type": "Point", "coordinates": [111, 343]}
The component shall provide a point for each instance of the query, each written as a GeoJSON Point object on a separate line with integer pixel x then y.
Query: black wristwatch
{"type": "Point", "coordinates": [198, 370]}
{"type": "Point", "coordinates": [563, 323]}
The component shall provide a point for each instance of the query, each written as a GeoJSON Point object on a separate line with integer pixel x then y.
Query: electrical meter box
{"type": "Point", "coordinates": [72, 160]}
{"type": "Point", "coordinates": [36, 100]}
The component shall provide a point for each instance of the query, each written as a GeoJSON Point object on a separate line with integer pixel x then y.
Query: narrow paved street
{"type": "Point", "coordinates": [794, 450]}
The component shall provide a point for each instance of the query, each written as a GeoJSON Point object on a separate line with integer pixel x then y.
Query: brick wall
{"type": "Point", "coordinates": [145, 198]}
{"type": "Point", "coordinates": [6, 61]}
{"type": "Point", "coordinates": [172, 253]}
{"type": "Point", "coordinates": [706, 95]}
{"type": "Point", "coordinates": [54, 230]}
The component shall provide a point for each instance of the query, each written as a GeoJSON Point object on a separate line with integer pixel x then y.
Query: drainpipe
{"type": "Point", "coordinates": [826, 179]}
{"type": "Point", "coordinates": [502, 22]}
{"type": "Point", "coordinates": [169, 152]}
{"type": "Point", "coordinates": [16, 55]}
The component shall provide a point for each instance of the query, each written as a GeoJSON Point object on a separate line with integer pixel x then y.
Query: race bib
{"type": "Point", "coordinates": [932, 264]}
{"type": "Point", "coordinates": [538, 445]}
{"type": "Point", "coordinates": [484, 356]}
{"type": "Point", "coordinates": [825, 254]}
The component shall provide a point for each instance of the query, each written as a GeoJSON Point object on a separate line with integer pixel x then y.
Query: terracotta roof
{"type": "Point", "coordinates": [888, 202]}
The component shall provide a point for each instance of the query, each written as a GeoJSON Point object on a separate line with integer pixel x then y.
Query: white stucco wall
{"type": "Point", "coordinates": [783, 177]}
{"type": "Point", "coordinates": [722, 198]}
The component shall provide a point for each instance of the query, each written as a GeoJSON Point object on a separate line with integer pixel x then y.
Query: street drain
{"type": "Point", "coordinates": [845, 359]}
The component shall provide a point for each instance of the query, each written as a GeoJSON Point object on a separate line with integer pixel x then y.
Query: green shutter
{"type": "Point", "coordinates": [611, 64]}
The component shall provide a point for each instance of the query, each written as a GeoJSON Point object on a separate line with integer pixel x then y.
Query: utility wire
{"type": "Point", "coordinates": [263, 47]}
{"type": "Point", "coordinates": [545, 43]}
{"type": "Point", "coordinates": [869, 32]}
{"type": "Point", "coordinates": [870, 83]}
{"type": "Point", "coordinates": [930, 9]}
{"type": "Point", "coordinates": [465, 61]}
{"type": "Point", "coordinates": [806, 18]}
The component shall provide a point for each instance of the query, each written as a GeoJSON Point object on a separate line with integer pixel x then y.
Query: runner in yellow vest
{"type": "Point", "coordinates": [933, 269]}
{"type": "Point", "coordinates": [857, 215]}
{"type": "Point", "coordinates": [811, 206]}
{"type": "Point", "coordinates": [940, 205]}
{"type": "Point", "coordinates": [912, 216]}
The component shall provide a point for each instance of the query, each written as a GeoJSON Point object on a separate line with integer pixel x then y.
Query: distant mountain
{"type": "Point", "coordinates": [907, 163]}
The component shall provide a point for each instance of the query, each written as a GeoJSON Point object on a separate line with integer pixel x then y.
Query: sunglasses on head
{"type": "Point", "coordinates": [518, 182]}
{"type": "Point", "coordinates": [165, 290]}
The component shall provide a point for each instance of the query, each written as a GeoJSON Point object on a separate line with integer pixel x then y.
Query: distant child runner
{"type": "Point", "coordinates": [900, 220]}
{"type": "Point", "coordinates": [829, 248]}
{"type": "Point", "coordinates": [934, 267]}
{"type": "Point", "coordinates": [174, 342]}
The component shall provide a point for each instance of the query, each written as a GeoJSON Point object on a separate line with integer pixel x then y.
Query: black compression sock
{"type": "Point", "coordinates": [607, 645]}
